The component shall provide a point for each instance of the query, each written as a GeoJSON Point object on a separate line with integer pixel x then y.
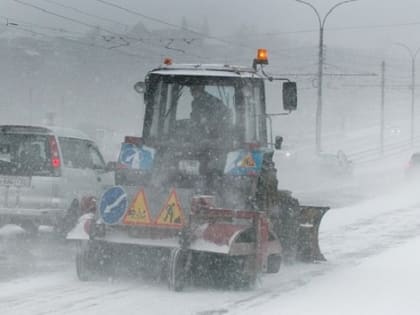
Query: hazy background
{"type": "Point", "coordinates": [362, 24]}
{"type": "Point", "coordinates": [75, 62]}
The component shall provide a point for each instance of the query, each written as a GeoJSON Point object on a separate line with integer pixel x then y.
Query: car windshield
{"type": "Point", "coordinates": [24, 154]}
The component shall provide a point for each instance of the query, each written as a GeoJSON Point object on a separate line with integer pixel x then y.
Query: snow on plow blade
{"type": "Point", "coordinates": [307, 233]}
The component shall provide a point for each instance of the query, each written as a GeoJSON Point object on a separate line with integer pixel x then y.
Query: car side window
{"type": "Point", "coordinates": [79, 153]}
{"type": "Point", "coordinates": [97, 159]}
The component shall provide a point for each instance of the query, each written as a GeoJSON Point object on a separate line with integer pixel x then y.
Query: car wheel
{"type": "Point", "coordinates": [30, 227]}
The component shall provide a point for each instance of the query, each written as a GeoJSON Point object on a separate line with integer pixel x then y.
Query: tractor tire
{"type": "Point", "coordinates": [222, 271]}
{"type": "Point", "coordinates": [244, 282]}
{"type": "Point", "coordinates": [83, 261]}
{"type": "Point", "coordinates": [239, 278]}
{"type": "Point", "coordinates": [93, 260]}
{"type": "Point", "coordinates": [273, 263]}
{"type": "Point", "coordinates": [178, 269]}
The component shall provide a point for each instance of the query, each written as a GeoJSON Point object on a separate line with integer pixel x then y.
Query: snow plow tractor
{"type": "Point", "coordinates": [196, 196]}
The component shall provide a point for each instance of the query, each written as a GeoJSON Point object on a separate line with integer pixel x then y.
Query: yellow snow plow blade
{"type": "Point", "coordinates": [307, 235]}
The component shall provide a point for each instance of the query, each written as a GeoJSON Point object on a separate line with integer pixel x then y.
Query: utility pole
{"type": "Point", "coordinates": [321, 21]}
{"type": "Point", "coordinates": [382, 133]}
{"type": "Point", "coordinates": [413, 56]}
{"type": "Point", "coordinates": [413, 86]}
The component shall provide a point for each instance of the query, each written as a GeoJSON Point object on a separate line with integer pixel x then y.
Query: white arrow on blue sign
{"type": "Point", "coordinates": [113, 205]}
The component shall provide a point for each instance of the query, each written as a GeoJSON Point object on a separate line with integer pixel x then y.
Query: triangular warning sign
{"type": "Point", "coordinates": [171, 214]}
{"type": "Point", "coordinates": [138, 213]}
{"type": "Point", "coordinates": [248, 161]}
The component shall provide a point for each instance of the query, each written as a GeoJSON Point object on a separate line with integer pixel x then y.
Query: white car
{"type": "Point", "coordinates": [45, 172]}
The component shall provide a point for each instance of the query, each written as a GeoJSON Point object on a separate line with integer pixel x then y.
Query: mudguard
{"type": "Point", "coordinates": [80, 231]}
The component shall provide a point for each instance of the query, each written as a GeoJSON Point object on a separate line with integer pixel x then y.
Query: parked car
{"type": "Point", "coordinates": [413, 167]}
{"type": "Point", "coordinates": [44, 172]}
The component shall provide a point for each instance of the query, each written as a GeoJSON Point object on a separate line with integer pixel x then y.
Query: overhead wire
{"type": "Point", "coordinates": [163, 22]}
{"type": "Point", "coordinates": [49, 28]}
{"type": "Point", "coordinates": [87, 13]}
{"type": "Point", "coordinates": [77, 41]}
{"type": "Point", "coordinates": [343, 28]}
{"type": "Point", "coordinates": [168, 43]}
{"type": "Point", "coordinates": [192, 31]}
{"type": "Point", "coordinates": [121, 37]}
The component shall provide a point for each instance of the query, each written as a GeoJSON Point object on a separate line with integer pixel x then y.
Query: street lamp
{"type": "Point", "coordinates": [321, 21]}
{"type": "Point", "coordinates": [413, 56]}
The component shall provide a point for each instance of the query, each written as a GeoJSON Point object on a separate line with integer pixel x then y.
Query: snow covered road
{"type": "Point", "coordinates": [38, 277]}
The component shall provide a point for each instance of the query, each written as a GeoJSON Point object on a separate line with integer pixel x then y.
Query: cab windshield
{"type": "Point", "coordinates": [198, 108]}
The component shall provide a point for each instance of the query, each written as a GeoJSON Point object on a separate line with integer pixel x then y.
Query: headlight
{"type": "Point", "coordinates": [189, 167]}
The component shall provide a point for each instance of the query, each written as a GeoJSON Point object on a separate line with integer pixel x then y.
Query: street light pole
{"type": "Point", "coordinates": [413, 56]}
{"type": "Point", "coordinates": [321, 21]}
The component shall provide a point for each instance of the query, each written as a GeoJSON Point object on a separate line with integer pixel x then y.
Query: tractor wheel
{"type": "Point", "coordinates": [273, 263]}
{"type": "Point", "coordinates": [223, 271]}
{"type": "Point", "coordinates": [93, 259]}
{"type": "Point", "coordinates": [240, 277]}
{"type": "Point", "coordinates": [178, 269]}
{"type": "Point", "coordinates": [244, 282]}
{"type": "Point", "coordinates": [83, 261]}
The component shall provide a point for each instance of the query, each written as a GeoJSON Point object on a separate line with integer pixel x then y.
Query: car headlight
{"type": "Point", "coordinates": [189, 167]}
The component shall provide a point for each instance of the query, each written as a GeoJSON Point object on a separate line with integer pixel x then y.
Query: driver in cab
{"type": "Point", "coordinates": [210, 116]}
{"type": "Point", "coordinates": [211, 121]}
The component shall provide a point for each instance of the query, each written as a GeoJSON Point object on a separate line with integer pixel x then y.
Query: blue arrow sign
{"type": "Point", "coordinates": [136, 157]}
{"type": "Point", "coordinates": [113, 205]}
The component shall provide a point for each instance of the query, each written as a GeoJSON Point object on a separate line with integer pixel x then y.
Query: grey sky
{"type": "Point", "coordinates": [369, 24]}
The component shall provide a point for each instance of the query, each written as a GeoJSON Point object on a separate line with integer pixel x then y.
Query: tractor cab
{"type": "Point", "coordinates": [204, 107]}
{"type": "Point", "coordinates": [205, 128]}
{"type": "Point", "coordinates": [221, 107]}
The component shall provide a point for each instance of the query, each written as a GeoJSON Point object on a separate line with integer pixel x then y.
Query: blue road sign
{"type": "Point", "coordinates": [113, 205]}
{"type": "Point", "coordinates": [136, 157]}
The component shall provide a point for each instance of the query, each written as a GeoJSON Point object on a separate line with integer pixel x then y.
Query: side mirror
{"type": "Point", "coordinates": [140, 87]}
{"type": "Point", "coordinates": [278, 142]}
{"type": "Point", "coordinates": [289, 96]}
